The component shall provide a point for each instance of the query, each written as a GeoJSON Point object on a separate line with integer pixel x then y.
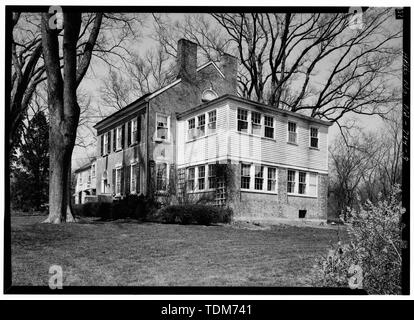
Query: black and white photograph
{"type": "Point", "coordinates": [207, 150]}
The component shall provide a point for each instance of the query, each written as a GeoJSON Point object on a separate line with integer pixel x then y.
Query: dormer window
{"type": "Point", "coordinates": [208, 95]}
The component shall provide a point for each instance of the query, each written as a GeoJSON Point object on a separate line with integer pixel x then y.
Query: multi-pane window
{"type": "Point", "coordinates": [191, 178]}
{"type": "Point", "coordinates": [242, 123]}
{"type": "Point", "coordinates": [269, 127]}
{"type": "Point", "coordinates": [134, 131]}
{"type": "Point", "coordinates": [133, 178]}
{"type": "Point", "coordinates": [212, 118]}
{"type": "Point", "coordinates": [105, 148]}
{"type": "Point", "coordinates": [271, 179]}
{"type": "Point", "coordinates": [161, 174]}
{"type": "Point", "coordinates": [118, 138]}
{"type": "Point", "coordinates": [292, 134]}
{"type": "Point", "coordinates": [191, 129]}
{"type": "Point", "coordinates": [211, 176]}
{"type": "Point", "coordinates": [258, 177]}
{"type": "Point", "coordinates": [291, 181]}
{"type": "Point", "coordinates": [256, 123]}
{"type": "Point", "coordinates": [245, 176]}
{"type": "Point", "coordinates": [201, 125]}
{"type": "Point", "coordinates": [314, 139]}
{"type": "Point", "coordinates": [302, 182]}
{"type": "Point", "coordinates": [118, 172]}
{"type": "Point", "coordinates": [162, 127]}
{"type": "Point", "coordinates": [201, 177]}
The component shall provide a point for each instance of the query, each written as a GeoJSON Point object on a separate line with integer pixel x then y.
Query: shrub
{"type": "Point", "coordinates": [194, 214]}
{"type": "Point", "coordinates": [372, 258]}
{"type": "Point", "coordinates": [132, 206]}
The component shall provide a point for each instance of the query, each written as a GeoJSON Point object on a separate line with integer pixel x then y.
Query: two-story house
{"type": "Point", "coordinates": [178, 133]}
{"type": "Point", "coordinates": [85, 187]}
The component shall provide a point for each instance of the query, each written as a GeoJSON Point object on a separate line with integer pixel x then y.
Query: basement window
{"type": "Point", "coordinates": [302, 214]}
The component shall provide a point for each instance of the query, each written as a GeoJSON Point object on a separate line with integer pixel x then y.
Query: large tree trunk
{"type": "Point", "coordinates": [60, 152]}
{"type": "Point", "coordinates": [63, 112]}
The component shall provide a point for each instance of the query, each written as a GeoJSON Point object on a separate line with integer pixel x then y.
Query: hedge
{"type": "Point", "coordinates": [194, 214]}
{"type": "Point", "coordinates": [132, 206]}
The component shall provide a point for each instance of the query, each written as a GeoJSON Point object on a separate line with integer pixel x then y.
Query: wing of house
{"type": "Point", "coordinates": [176, 140]}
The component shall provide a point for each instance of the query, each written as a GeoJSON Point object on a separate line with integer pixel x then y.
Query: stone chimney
{"type": "Point", "coordinates": [186, 60]}
{"type": "Point", "coordinates": [228, 65]}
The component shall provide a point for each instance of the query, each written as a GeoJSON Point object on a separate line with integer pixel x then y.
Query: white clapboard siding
{"type": "Point", "coordinates": [203, 149]}
{"type": "Point", "coordinates": [278, 151]}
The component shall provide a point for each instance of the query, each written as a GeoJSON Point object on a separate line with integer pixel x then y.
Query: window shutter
{"type": "Point", "coordinates": [113, 180]}
{"type": "Point", "coordinates": [122, 171]}
{"type": "Point", "coordinates": [114, 139]}
{"type": "Point", "coordinates": [127, 179]}
{"type": "Point", "coordinates": [123, 136]}
{"type": "Point", "coordinates": [138, 132]}
{"type": "Point", "coordinates": [137, 177]}
{"type": "Point", "coordinates": [129, 133]}
{"type": "Point", "coordinates": [102, 143]}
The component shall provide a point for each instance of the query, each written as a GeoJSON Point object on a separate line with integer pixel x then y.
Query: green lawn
{"type": "Point", "coordinates": [144, 254]}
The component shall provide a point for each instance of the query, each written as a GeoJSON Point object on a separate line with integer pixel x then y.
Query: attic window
{"type": "Point", "coordinates": [208, 95]}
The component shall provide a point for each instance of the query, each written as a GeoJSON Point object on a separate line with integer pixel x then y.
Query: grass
{"type": "Point", "coordinates": [94, 253]}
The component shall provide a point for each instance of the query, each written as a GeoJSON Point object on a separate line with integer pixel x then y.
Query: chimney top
{"type": "Point", "coordinates": [186, 60]}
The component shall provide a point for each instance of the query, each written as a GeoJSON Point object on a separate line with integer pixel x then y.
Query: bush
{"type": "Point", "coordinates": [194, 214]}
{"type": "Point", "coordinates": [372, 258]}
{"type": "Point", "coordinates": [132, 206]}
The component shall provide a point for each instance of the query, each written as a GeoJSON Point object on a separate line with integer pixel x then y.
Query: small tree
{"type": "Point", "coordinates": [30, 172]}
{"type": "Point", "coordinates": [372, 257]}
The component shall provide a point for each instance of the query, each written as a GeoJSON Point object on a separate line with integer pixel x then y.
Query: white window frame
{"type": "Point", "coordinates": [209, 176]}
{"type": "Point", "coordinates": [191, 132]}
{"type": "Point", "coordinates": [310, 137]}
{"type": "Point", "coordinates": [243, 176]}
{"type": "Point", "coordinates": [167, 138]}
{"type": "Point", "coordinates": [118, 138]}
{"type": "Point", "coordinates": [265, 178]}
{"type": "Point", "coordinates": [307, 184]}
{"type": "Point", "coordinates": [134, 127]}
{"type": "Point", "coordinates": [199, 126]}
{"type": "Point", "coordinates": [247, 120]}
{"type": "Point", "coordinates": [118, 176]}
{"type": "Point", "coordinates": [260, 124]}
{"type": "Point", "coordinates": [167, 176]}
{"type": "Point", "coordinates": [210, 123]}
{"type": "Point", "coordinates": [133, 186]}
{"type": "Point", "coordinates": [105, 144]}
{"type": "Point", "coordinates": [266, 126]}
{"type": "Point", "coordinates": [296, 132]}
{"type": "Point", "coordinates": [194, 179]}
{"type": "Point", "coordinates": [268, 180]}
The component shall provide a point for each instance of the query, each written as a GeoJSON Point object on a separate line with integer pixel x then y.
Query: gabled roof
{"type": "Point", "coordinates": [258, 105]}
{"type": "Point", "coordinates": [86, 166]}
{"type": "Point", "coordinates": [149, 96]}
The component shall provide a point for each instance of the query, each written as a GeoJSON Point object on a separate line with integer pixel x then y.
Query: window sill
{"type": "Point", "coordinates": [301, 195]}
{"type": "Point", "coordinates": [314, 148]}
{"type": "Point", "coordinates": [255, 135]}
{"type": "Point", "coordinates": [293, 143]}
{"type": "Point", "coordinates": [258, 191]}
